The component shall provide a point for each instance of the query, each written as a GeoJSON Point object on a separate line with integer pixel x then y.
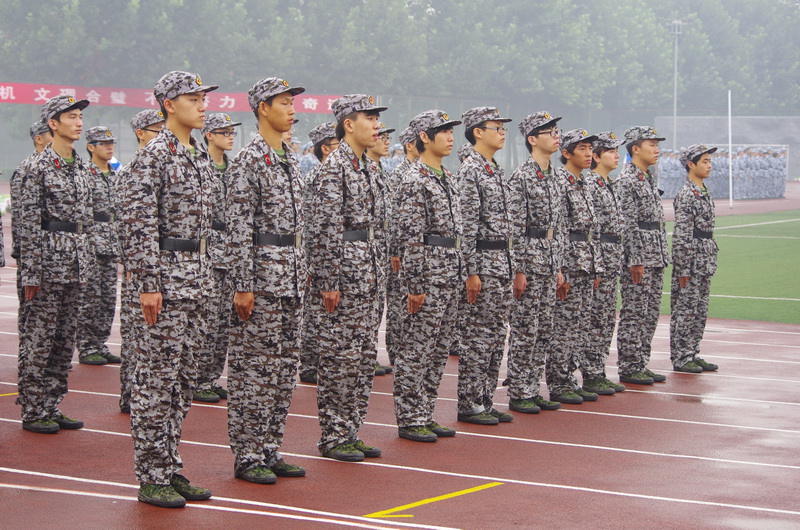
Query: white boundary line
{"type": "Point", "coordinates": [781, 221]}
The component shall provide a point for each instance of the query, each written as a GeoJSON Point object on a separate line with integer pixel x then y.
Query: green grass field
{"type": "Point", "coordinates": [758, 274]}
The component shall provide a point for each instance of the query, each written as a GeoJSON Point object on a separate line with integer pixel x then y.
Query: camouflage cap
{"type": "Point", "coordinates": [693, 151]}
{"type": "Point", "coordinates": [385, 129]}
{"type": "Point", "coordinates": [395, 147]}
{"type": "Point", "coordinates": [268, 87]}
{"type": "Point", "coordinates": [478, 115]}
{"type": "Point", "coordinates": [641, 132]}
{"type": "Point", "coordinates": [570, 138]}
{"type": "Point", "coordinates": [346, 105]}
{"type": "Point", "coordinates": [146, 118]}
{"type": "Point", "coordinates": [407, 136]}
{"type": "Point", "coordinates": [431, 119]}
{"type": "Point", "coordinates": [608, 140]}
{"type": "Point", "coordinates": [61, 103]}
{"type": "Point", "coordinates": [218, 120]}
{"type": "Point", "coordinates": [536, 120]}
{"type": "Point", "coordinates": [99, 134]}
{"type": "Point", "coordinates": [39, 127]}
{"type": "Point", "coordinates": [322, 132]}
{"type": "Point", "coordinates": [463, 151]}
{"type": "Point", "coordinates": [177, 82]}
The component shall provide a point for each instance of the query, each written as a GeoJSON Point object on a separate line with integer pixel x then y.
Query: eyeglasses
{"type": "Point", "coordinates": [334, 144]}
{"type": "Point", "coordinates": [105, 143]}
{"type": "Point", "coordinates": [555, 133]}
{"type": "Point", "coordinates": [154, 130]}
{"type": "Point", "coordinates": [226, 134]}
{"type": "Point", "coordinates": [501, 130]}
{"type": "Point", "coordinates": [383, 137]}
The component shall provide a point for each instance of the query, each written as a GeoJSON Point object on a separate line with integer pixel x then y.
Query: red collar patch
{"type": "Point", "coordinates": [570, 178]}
{"type": "Point", "coordinates": [173, 148]}
{"type": "Point", "coordinates": [540, 174]}
{"type": "Point", "coordinates": [696, 193]}
{"type": "Point", "coordinates": [489, 169]}
{"type": "Point", "coordinates": [601, 181]}
{"type": "Point", "coordinates": [424, 171]}
{"type": "Point", "coordinates": [355, 163]}
{"type": "Point", "coordinates": [267, 159]}
{"type": "Point", "coordinates": [57, 163]}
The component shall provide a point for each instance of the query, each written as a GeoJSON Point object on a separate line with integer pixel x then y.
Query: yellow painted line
{"type": "Point", "coordinates": [390, 512]}
{"type": "Point", "coordinates": [12, 394]}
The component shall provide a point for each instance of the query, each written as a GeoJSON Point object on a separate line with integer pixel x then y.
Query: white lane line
{"type": "Point", "coordinates": [667, 293]}
{"type": "Point", "coordinates": [756, 237]}
{"type": "Point", "coordinates": [717, 329]}
{"type": "Point", "coordinates": [756, 224]}
{"type": "Point", "coordinates": [749, 359]}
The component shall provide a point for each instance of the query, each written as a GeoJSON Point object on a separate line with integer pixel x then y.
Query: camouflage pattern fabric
{"type": "Point", "coordinates": [309, 349]}
{"type": "Point", "coordinates": [128, 297]}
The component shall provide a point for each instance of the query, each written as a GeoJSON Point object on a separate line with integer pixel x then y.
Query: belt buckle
{"type": "Point", "coordinates": [510, 244]}
{"type": "Point", "coordinates": [589, 236]}
{"type": "Point", "coordinates": [79, 227]}
{"type": "Point", "coordinates": [549, 235]}
{"type": "Point", "coordinates": [202, 245]}
{"type": "Point", "coordinates": [370, 234]}
{"type": "Point", "coordinates": [298, 240]}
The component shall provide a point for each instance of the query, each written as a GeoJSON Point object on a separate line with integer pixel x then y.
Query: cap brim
{"type": "Point", "coordinates": [387, 131]}
{"type": "Point", "coordinates": [374, 109]}
{"type": "Point", "coordinates": [450, 123]}
{"type": "Point", "coordinates": [209, 88]}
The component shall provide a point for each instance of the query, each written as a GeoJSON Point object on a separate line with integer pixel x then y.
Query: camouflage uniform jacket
{"type": "Point", "coordinates": [15, 184]}
{"type": "Point", "coordinates": [429, 206]}
{"type": "Point", "coordinates": [53, 191]}
{"type": "Point", "coordinates": [167, 194]}
{"type": "Point", "coordinates": [609, 220]}
{"type": "Point", "coordinates": [579, 220]}
{"type": "Point", "coordinates": [385, 199]}
{"type": "Point", "coordinates": [485, 216]}
{"type": "Point", "coordinates": [395, 180]}
{"type": "Point", "coordinates": [265, 196]}
{"type": "Point", "coordinates": [535, 205]}
{"type": "Point", "coordinates": [694, 211]}
{"type": "Point", "coordinates": [348, 199]}
{"type": "Point", "coordinates": [105, 233]}
{"type": "Point", "coordinates": [217, 243]}
{"type": "Point", "coordinates": [310, 191]}
{"type": "Point", "coordinates": [640, 202]}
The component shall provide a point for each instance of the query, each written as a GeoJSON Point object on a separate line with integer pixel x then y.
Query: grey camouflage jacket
{"type": "Point", "coordinates": [576, 234]}
{"type": "Point", "coordinates": [694, 214]}
{"type": "Point", "coordinates": [609, 220]}
{"type": "Point", "coordinates": [15, 183]}
{"type": "Point", "coordinates": [640, 203]}
{"type": "Point", "coordinates": [105, 231]}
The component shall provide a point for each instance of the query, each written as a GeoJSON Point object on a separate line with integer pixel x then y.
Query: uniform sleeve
{"type": "Point", "coordinates": [632, 235]}
{"type": "Point", "coordinates": [29, 229]}
{"type": "Point", "coordinates": [518, 217]}
{"type": "Point", "coordinates": [327, 246]}
{"type": "Point", "coordinates": [682, 234]}
{"type": "Point", "coordinates": [470, 215]}
{"type": "Point", "coordinates": [240, 207]}
{"type": "Point", "coordinates": [410, 230]}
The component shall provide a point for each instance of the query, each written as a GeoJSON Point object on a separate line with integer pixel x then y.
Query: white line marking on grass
{"type": "Point", "coordinates": [756, 224]}
{"type": "Point", "coordinates": [666, 293]}
{"type": "Point", "coordinates": [756, 237]}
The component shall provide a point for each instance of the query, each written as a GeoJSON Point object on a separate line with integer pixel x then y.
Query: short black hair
{"type": "Point", "coordinates": [599, 150]}
{"type": "Point", "coordinates": [469, 134]}
{"type": "Point", "coordinates": [352, 116]}
{"type": "Point", "coordinates": [535, 132]}
{"type": "Point", "coordinates": [570, 150]}
{"type": "Point", "coordinates": [268, 101]}
{"type": "Point", "coordinates": [630, 146]}
{"type": "Point", "coordinates": [318, 149]}
{"type": "Point", "coordinates": [431, 136]}
{"type": "Point", "coordinates": [694, 161]}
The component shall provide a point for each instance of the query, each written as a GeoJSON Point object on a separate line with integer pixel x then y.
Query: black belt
{"type": "Point", "coordinates": [104, 217]}
{"type": "Point", "coordinates": [649, 225]}
{"type": "Point", "coordinates": [702, 234]}
{"type": "Point", "coordinates": [439, 241]}
{"type": "Point", "coordinates": [358, 235]}
{"type": "Point", "coordinates": [278, 240]}
{"type": "Point", "coordinates": [183, 245]}
{"type": "Point", "coordinates": [539, 233]}
{"type": "Point", "coordinates": [610, 238]}
{"type": "Point", "coordinates": [60, 226]}
{"type": "Point", "coordinates": [492, 244]}
{"type": "Point", "coordinates": [580, 236]}
{"type": "Point", "coordinates": [218, 225]}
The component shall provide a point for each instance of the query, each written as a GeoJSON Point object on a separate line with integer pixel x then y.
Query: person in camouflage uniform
{"type": "Point", "coordinates": [537, 196]}
{"type": "Point", "coordinates": [395, 296]}
{"type": "Point", "coordinates": [55, 257]}
{"type": "Point", "coordinates": [167, 213]}
{"type": "Point", "coordinates": [269, 276]}
{"type": "Point", "coordinates": [345, 263]}
{"type": "Point", "coordinates": [428, 237]}
{"type": "Point", "coordinates": [694, 261]}
{"type": "Point", "coordinates": [582, 268]}
{"type": "Point", "coordinates": [145, 125]}
{"type": "Point", "coordinates": [646, 255]}
{"type": "Point", "coordinates": [323, 138]}
{"type": "Point", "coordinates": [603, 311]}
{"type": "Point", "coordinates": [99, 294]}
{"type": "Point", "coordinates": [490, 266]}
{"type": "Point", "coordinates": [218, 134]}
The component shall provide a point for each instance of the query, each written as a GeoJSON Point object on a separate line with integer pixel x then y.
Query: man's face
{"type": "Point", "coordinates": [493, 134]}
{"type": "Point", "coordinates": [648, 152]}
{"type": "Point", "coordinates": [609, 159]}
{"type": "Point", "coordinates": [411, 150]}
{"type": "Point", "coordinates": [41, 140]}
{"type": "Point", "coordinates": [103, 151]}
{"type": "Point", "coordinates": [581, 156]}
{"type": "Point", "coordinates": [189, 109]}
{"type": "Point", "coordinates": [382, 145]}
{"type": "Point", "coordinates": [149, 132]}
{"type": "Point", "coordinates": [222, 138]}
{"type": "Point", "coordinates": [442, 144]}
{"type": "Point", "coordinates": [280, 114]}
{"type": "Point", "coordinates": [703, 167]}
{"type": "Point", "coordinates": [364, 129]}
{"type": "Point", "coordinates": [547, 140]}
{"type": "Point", "coordinates": [69, 126]}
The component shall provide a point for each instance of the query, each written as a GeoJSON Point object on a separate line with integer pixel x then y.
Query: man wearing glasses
{"type": "Point", "coordinates": [490, 265]}
{"type": "Point", "coordinates": [538, 196]}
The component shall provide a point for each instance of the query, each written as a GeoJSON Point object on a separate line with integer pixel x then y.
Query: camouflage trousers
{"type": "Point", "coordinates": [602, 319]}
{"type": "Point", "coordinates": [638, 318]}
{"type": "Point", "coordinates": [98, 301]}
{"type": "Point", "coordinates": [261, 377]}
{"type": "Point", "coordinates": [346, 368]}
{"type": "Point", "coordinates": [531, 321]}
{"type": "Point", "coordinates": [309, 346]}
{"type": "Point", "coordinates": [420, 363]}
{"type": "Point", "coordinates": [46, 342]}
{"type": "Point", "coordinates": [396, 312]}
{"type": "Point", "coordinates": [688, 321]}
{"type": "Point", "coordinates": [482, 344]}
{"type": "Point", "coordinates": [212, 355]}
{"type": "Point", "coordinates": [456, 347]}
{"type": "Point", "coordinates": [163, 386]}
{"type": "Point", "coordinates": [571, 319]}
{"type": "Point", "coordinates": [129, 316]}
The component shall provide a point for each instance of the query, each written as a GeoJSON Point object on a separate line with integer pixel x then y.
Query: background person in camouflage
{"type": "Point", "coordinates": [323, 138]}
{"type": "Point", "coordinates": [167, 214]}
{"type": "Point", "coordinates": [536, 195]}
{"type": "Point", "coordinates": [55, 257]}
{"type": "Point", "coordinates": [490, 267]}
{"type": "Point", "coordinates": [603, 310]}
{"type": "Point", "coordinates": [646, 255]}
{"type": "Point", "coordinates": [694, 261]}
{"type": "Point", "coordinates": [145, 125]}
{"type": "Point", "coordinates": [218, 134]}
{"type": "Point", "coordinates": [269, 277]}
{"type": "Point", "coordinates": [99, 294]}
{"type": "Point", "coordinates": [345, 262]}
{"type": "Point", "coordinates": [428, 233]}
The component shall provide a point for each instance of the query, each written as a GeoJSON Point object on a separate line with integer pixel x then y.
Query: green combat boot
{"type": "Point", "coordinates": [164, 496]}
{"type": "Point", "coordinates": [187, 491]}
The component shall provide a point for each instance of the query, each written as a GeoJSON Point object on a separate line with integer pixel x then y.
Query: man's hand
{"type": "Point", "coordinates": [395, 263]}
{"type": "Point", "coordinates": [330, 299]}
{"type": "Point", "coordinates": [562, 291]}
{"type": "Point", "coordinates": [597, 282]}
{"type": "Point", "coordinates": [31, 290]}
{"type": "Point", "coordinates": [520, 284]}
{"type": "Point", "coordinates": [473, 288]}
{"type": "Point", "coordinates": [683, 281]}
{"type": "Point", "coordinates": [637, 273]}
{"type": "Point", "coordinates": [151, 306]}
{"type": "Point", "coordinates": [415, 301]}
{"type": "Point", "coordinates": [559, 279]}
{"type": "Point", "coordinates": [244, 302]}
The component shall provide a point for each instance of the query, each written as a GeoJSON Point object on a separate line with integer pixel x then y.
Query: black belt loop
{"type": "Point", "coordinates": [539, 233]}
{"type": "Point", "coordinates": [702, 234]}
{"type": "Point", "coordinates": [218, 225]}
{"type": "Point", "coordinates": [649, 225]}
{"type": "Point", "coordinates": [60, 226]}
{"type": "Point", "coordinates": [580, 236]}
{"type": "Point", "coordinates": [358, 235]}
{"type": "Point", "coordinates": [182, 245]}
{"type": "Point", "coordinates": [278, 240]}
{"type": "Point", "coordinates": [492, 244]}
{"type": "Point", "coordinates": [439, 241]}
{"type": "Point", "coordinates": [610, 238]}
{"type": "Point", "coordinates": [101, 217]}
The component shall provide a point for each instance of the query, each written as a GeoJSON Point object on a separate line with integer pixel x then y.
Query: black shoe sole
{"type": "Point", "coordinates": [601, 391]}
{"type": "Point", "coordinates": [443, 434]}
{"type": "Point", "coordinates": [70, 425]}
{"type": "Point", "coordinates": [417, 438]}
{"type": "Point", "coordinates": [647, 381]}
{"type": "Point", "coordinates": [41, 431]}
{"type": "Point", "coordinates": [289, 474]}
{"type": "Point", "coordinates": [162, 504]}
{"type": "Point", "coordinates": [190, 497]}
{"type": "Point", "coordinates": [466, 419]}
{"type": "Point", "coordinates": [523, 410]}
{"type": "Point", "coordinates": [345, 458]}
